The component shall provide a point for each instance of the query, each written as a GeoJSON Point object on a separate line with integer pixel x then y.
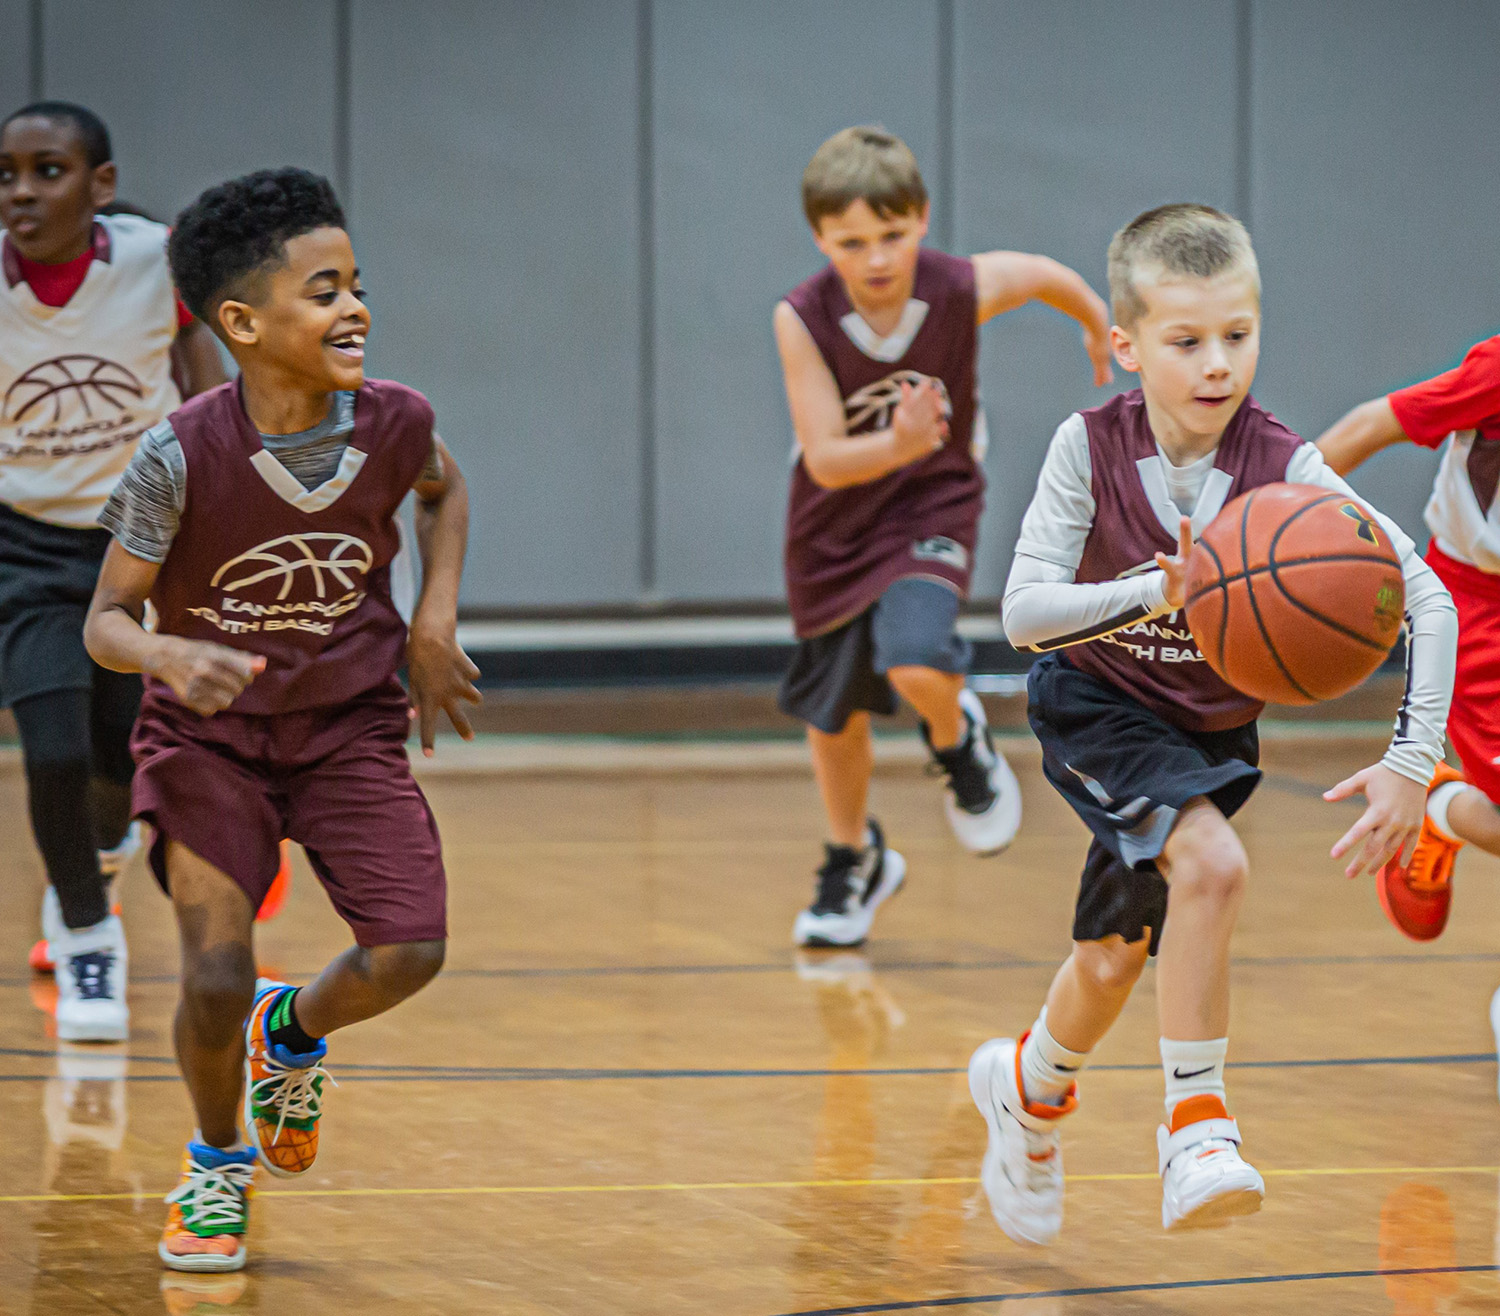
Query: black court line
{"type": "Point", "coordinates": [355, 1072]}
{"type": "Point", "coordinates": [876, 966]}
{"type": "Point", "coordinates": [1161, 1286]}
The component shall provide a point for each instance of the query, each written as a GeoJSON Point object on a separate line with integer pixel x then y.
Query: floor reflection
{"type": "Point", "coordinates": [1417, 1232]}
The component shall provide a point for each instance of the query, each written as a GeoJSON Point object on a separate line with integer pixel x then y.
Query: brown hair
{"type": "Point", "coordinates": [862, 164]}
{"type": "Point", "coordinates": [1189, 239]}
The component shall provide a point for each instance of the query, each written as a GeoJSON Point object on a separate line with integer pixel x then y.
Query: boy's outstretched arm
{"type": "Point", "coordinates": [206, 677]}
{"type": "Point", "coordinates": [1008, 279]}
{"type": "Point", "coordinates": [1362, 433]}
{"type": "Point", "coordinates": [442, 675]}
{"type": "Point", "coordinates": [835, 458]}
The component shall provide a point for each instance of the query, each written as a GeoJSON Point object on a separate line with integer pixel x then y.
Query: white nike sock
{"type": "Point", "coordinates": [1438, 802]}
{"type": "Point", "coordinates": [1048, 1068]}
{"type": "Point", "coordinates": [1193, 1069]}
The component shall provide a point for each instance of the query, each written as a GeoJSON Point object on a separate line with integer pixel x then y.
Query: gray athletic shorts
{"type": "Point", "coordinates": [843, 671]}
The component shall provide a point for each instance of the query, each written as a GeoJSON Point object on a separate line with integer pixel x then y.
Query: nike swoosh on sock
{"type": "Point", "coordinates": [1193, 1073]}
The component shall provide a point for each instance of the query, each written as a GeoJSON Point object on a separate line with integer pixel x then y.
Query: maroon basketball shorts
{"type": "Point", "coordinates": [335, 780]}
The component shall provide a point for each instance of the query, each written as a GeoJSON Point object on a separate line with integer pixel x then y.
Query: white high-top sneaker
{"type": "Point", "coordinates": [983, 798]}
{"type": "Point", "coordinates": [1204, 1183]}
{"type": "Point", "coordinates": [92, 967]}
{"type": "Point", "coordinates": [1023, 1168]}
{"type": "Point", "coordinates": [111, 864]}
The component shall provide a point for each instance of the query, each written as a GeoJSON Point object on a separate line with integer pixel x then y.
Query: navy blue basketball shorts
{"type": "Point", "coordinates": [1128, 774]}
{"type": "Point", "coordinates": [843, 671]}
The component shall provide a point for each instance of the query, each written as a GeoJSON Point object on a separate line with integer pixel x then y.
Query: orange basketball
{"type": "Point", "coordinates": [1294, 593]}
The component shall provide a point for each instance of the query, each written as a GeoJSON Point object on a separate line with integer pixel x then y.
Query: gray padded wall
{"type": "Point", "coordinates": [195, 91]}
{"type": "Point", "coordinates": [566, 231]}
{"type": "Point", "coordinates": [15, 53]}
{"type": "Point", "coordinates": [1376, 208]}
{"type": "Point", "coordinates": [1048, 159]}
{"type": "Point", "coordinates": [743, 96]}
{"type": "Point", "coordinates": [495, 206]}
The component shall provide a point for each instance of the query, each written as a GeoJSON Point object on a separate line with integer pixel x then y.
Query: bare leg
{"type": "Point", "coordinates": [364, 982]}
{"type": "Point", "coordinates": [934, 695]}
{"type": "Point", "coordinates": [1091, 989]}
{"type": "Point", "coordinates": [1475, 820]}
{"type": "Point", "coordinates": [843, 764]}
{"type": "Point", "coordinates": [1206, 867]}
{"type": "Point", "coordinates": [214, 919]}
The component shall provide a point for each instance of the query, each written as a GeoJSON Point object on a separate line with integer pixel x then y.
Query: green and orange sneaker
{"type": "Point", "coordinates": [283, 1090]}
{"type": "Point", "coordinates": [209, 1210]}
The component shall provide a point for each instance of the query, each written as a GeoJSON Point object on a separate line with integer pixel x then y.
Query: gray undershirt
{"type": "Point", "coordinates": [145, 509]}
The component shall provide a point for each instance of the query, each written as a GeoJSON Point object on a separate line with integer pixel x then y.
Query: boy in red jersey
{"type": "Point", "coordinates": [1148, 746]}
{"type": "Point", "coordinates": [259, 520]}
{"type": "Point", "coordinates": [94, 348]}
{"type": "Point", "coordinates": [1465, 552]}
{"type": "Point", "coordinates": [880, 355]}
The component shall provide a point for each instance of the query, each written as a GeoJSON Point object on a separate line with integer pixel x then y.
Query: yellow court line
{"type": "Point", "coordinates": [554, 1190]}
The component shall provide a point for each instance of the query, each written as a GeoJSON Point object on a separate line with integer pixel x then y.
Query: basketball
{"type": "Point", "coordinates": [1294, 594]}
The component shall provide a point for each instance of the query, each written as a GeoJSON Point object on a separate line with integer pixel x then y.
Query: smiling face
{"type": "Point", "coordinates": [1195, 348]}
{"type": "Point", "coordinates": [304, 318]}
{"type": "Point", "coordinates": [876, 258]}
{"type": "Point", "coordinates": [48, 191]}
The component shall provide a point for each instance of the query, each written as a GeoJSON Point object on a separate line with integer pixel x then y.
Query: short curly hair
{"type": "Point", "coordinates": [239, 228]}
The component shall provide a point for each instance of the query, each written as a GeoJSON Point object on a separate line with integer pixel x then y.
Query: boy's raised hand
{"type": "Point", "coordinates": [1176, 567]}
{"type": "Point", "coordinates": [207, 677]}
{"type": "Point", "coordinates": [1390, 824]}
{"type": "Point", "coordinates": [918, 425]}
{"type": "Point", "coordinates": [442, 678]}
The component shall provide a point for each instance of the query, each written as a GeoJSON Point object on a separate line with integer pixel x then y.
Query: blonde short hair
{"type": "Point", "coordinates": [1188, 239]}
{"type": "Point", "coordinates": [862, 164]}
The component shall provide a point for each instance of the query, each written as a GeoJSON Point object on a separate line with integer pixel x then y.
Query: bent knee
{"type": "Point", "coordinates": [407, 966]}
{"type": "Point", "coordinates": [218, 989]}
{"type": "Point", "coordinates": [1216, 871]}
{"type": "Point", "coordinates": [1111, 966]}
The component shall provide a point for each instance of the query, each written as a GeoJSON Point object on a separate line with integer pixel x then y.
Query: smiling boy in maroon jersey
{"type": "Point", "coordinates": [259, 520]}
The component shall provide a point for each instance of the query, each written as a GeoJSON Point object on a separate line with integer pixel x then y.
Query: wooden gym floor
{"type": "Point", "coordinates": [627, 1094]}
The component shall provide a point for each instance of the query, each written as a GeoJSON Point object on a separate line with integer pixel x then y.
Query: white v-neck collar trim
{"type": "Point", "coordinates": [288, 487]}
{"type": "Point", "coordinates": [893, 346]}
{"type": "Point", "coordinates": [1211, 498]}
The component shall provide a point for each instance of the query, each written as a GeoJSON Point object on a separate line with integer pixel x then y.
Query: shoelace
{"type": "Point", "coordinates": [292, 1091]}
{"type": "Point", "coordinates": [213, 1199]}
{"type": "Point", "coordinates": [91, 972]}
{"type": "Point", "coordinates": [1431, 876]}
{"type": "Point", "coordinates": [967, 773]}
{"type": "Point", "coordinates": [835, 885]}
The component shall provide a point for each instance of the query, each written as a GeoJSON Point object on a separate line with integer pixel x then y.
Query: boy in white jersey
{"type": "Point", "coordinates": [1147, 745]}
{"type": "Point", "coordinates": [90, 334]}
{"type": "Point", "coordinates": [1464, 404]}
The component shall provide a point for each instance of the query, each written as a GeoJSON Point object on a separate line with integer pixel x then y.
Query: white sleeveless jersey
{"type": "Point", "coordinates": [80, 383]}
{"type": "Point", "coordinates": [1459, 526]}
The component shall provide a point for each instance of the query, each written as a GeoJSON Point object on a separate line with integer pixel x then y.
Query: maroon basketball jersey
{"type": "Point", "coordinates": [302, 577]}
{"type": "Point", "coordinates": [1156, 661]}
{"type": "Point", "coordinates": [845, 546]}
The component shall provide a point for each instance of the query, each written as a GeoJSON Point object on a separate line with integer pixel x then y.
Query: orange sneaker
{"type": "Point", "coordinates": [280, 885]}
{"type": "Point", "coordinates": [283, 1090]}
{"type": "Point", "coordinates": [209, 1210]}
{"type": "Point", "coordinates": [1417, 898]}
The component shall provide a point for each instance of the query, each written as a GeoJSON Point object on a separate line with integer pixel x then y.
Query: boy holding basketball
{"type": "Point", "coordinates": [93, 346]}
{"type": "Point", "coordinates": [259, 520]}
{"type": "Point", "coordinates": [1463, 403]}
{"type": "Point", "coordinates": [880, 355]}
{"type": "Point", "coordinates": [1152, 750]}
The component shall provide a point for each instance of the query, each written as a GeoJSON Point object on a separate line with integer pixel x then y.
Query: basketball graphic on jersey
{"type": "Point", "coordinates": [68, 390]}
{"type": "Point", "coordinates": [870, 408]}
{"type": "Point", "coordinates": [316, 559]}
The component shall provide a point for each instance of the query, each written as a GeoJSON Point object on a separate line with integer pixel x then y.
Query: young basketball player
{"type": "Point", "coordinates": [880, 356]}
{"type": "Point", "coordinates": [1465, 553]}
{"type": "Point", "coordinates": [1152, 750]}
{"type": "Point", "coordinates": [91, 336]}
{"type": "Point", "coordinates": [259, 520]}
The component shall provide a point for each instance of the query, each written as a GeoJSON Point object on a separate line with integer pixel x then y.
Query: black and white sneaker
{"type": "Point", "coordinates": [983, 799]}
{"type": "Point", "coordinates": [852, 885]}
